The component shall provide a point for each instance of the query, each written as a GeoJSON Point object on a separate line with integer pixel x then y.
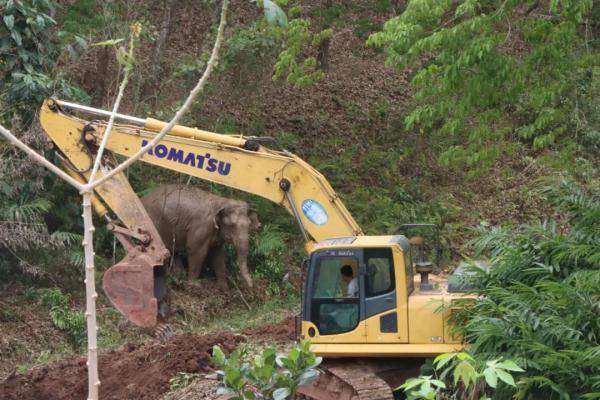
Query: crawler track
{"type": "Point", "coordinates": [354, 379]}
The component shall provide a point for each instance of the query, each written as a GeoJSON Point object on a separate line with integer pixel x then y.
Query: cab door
{"type": "Point", "coordinates": [385, 310]}
{"type": "Point", "coordinates": [334, 315]}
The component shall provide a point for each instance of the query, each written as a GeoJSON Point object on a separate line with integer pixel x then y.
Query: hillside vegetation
{"type": "Point", "coordinates": [480, 116]}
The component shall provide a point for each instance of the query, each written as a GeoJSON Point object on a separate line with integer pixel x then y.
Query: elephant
{"type": "Point", "coordinates": [199, 223]}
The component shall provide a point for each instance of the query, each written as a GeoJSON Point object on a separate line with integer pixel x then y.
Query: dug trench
{"type": "Point", "coordinates": [134, 371]}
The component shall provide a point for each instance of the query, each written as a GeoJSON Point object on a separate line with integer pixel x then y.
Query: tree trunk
{"type": "Point", "coordinates": [151, 81]}
{"type": "Point", "coordinates": [91, 295]}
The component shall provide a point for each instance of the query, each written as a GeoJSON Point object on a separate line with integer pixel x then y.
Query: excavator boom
{"type": "Point", "coordinates": [235, 161]}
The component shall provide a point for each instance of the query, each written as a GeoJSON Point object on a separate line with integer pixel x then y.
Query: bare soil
{"type": "Point", "coordinates": [134, 371]}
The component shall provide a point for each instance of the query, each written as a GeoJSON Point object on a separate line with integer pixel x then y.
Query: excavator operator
{"type": "Point", "coordinates": [350, 281]}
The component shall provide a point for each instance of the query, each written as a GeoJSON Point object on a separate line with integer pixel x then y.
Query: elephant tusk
{"type": "Point", "coordinates": [215, 223]}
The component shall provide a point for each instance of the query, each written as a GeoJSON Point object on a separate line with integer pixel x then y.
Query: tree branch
{"type": "Point", "coordinates": [186, 105]}
{"type": "Point", "coordinates": [40, 159]}
{"type": "Point", "coordinates": [111, 120]}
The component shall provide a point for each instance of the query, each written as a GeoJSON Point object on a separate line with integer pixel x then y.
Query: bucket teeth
{"type": "Point", "coordinates": [163, 332]}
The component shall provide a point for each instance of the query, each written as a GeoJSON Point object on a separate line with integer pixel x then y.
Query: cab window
{"type": "Point", "coordinates": [380, 271]}
{"type": "Point", "coordinates": [335, 300]}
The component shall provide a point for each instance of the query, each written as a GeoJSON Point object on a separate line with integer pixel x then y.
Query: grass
{"type": "Point", "coordinates": [267, 312]}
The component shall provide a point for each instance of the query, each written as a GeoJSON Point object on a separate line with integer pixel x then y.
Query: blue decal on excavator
{"type": "Point", "coordinates": [315, 212]}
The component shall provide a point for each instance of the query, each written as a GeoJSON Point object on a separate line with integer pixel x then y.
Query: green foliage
{"type": "Point", "coordinates": [72, 323]}
{"type": "Point", "coordinates": [248, 47]}
{"type": "Point", "coordinates": [305, 73]}
{"type": "Point", "coordinates": [300, 70]}
{"type": "Point", "coordinates": [7, 314]}
{"type": "Point", "coordinates": [267, 257]}
{"type": "Point", "coordinates": [25, 234]}
{"type": "Point", "coordinates": [459, 375]}
{"type": "Point", "coordinates": [491, 76]}
{"type": "Point", "coordinates": [539, 302]}
{"type": "Point", "coordinates": [266, 376]}
{"type": "Point", "coordinates": [27, 52]}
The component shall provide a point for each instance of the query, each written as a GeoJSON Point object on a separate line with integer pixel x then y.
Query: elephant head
{"type": "Point", "coordinates": [235, 223]}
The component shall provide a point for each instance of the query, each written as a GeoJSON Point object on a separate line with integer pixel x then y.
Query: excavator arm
{"type": "Point", "coordinates": [136, 284]}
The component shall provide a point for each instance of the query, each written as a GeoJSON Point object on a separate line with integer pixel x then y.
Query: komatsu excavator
{"type": "Point", "coordinates": [360, 298]}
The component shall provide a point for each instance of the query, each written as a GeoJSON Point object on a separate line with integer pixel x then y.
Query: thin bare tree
{"type": "Point", "coordinates": [86, 191]}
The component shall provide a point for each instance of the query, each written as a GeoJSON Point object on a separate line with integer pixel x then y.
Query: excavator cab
{"type": "Point", "coordinates": [362, 298]}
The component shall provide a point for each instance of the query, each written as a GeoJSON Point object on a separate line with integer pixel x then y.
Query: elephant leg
{"type": "Point", "coordinates": [196, 257]}
{"type": "Point", "coordinates": [177, 267]}
{"type": "Point", "coordinates": [217, 262]}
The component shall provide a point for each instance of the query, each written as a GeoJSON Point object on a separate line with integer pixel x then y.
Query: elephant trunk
{"type": "Point", "coordinates": [241, 246]}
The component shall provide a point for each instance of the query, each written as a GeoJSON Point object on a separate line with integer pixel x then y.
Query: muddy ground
{"type": "Point", "coordinates": [134, 371]}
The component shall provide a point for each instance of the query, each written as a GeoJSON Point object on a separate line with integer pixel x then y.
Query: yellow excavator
{"type": "Point", "coordinates": [361, 299]}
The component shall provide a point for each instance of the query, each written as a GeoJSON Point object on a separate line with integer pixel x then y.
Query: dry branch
{"type": "Point", "coordinates": [40, 159]}
{"type": "Point", "coordinates": [186, 105]}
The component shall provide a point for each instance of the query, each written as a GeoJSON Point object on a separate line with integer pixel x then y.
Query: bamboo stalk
{"type": "Point", "coordinates": [90, 295]}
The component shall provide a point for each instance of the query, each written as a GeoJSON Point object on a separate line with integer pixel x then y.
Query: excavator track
{"type": "Point", "coordinates": [360, 379]}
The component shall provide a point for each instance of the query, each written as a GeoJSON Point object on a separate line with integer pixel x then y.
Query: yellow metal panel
{"type": "Point", "coordinates": [358, 335]}
{"type": "Point", "coordinates": [383, 350]}
{"type": "Point", "coordinates": [193, 133]}
{"type": "Point", "coordinates": [425, 325]}
{"type": "Point", "coordinates": [66, 135]}
{"type": "Point", "coordinates": [363, 241]}
{"type": "Point", "coordinates": [374, 334]}
{"type": "Point", "coordinates": [401, 294]}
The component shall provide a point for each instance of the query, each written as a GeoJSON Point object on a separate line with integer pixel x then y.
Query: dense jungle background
{"type": "Point", "coordinates": [480, 116]}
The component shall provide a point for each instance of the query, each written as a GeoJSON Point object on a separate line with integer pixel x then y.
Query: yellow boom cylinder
{"type": "Point", "coordinates": [193, 133]}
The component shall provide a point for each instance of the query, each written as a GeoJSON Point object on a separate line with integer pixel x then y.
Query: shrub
{"type": "Point", "coordinates": [540, 300]}
{"type": "Point", "coordinates": [72, 323]}
{"type": "Point", "coordinates": [459, 375]}
{"type": "Point", "coordinates": [268, 375]}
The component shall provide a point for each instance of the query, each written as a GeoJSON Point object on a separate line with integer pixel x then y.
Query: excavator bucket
{"type": "Point", "coordinates": [129, 285]}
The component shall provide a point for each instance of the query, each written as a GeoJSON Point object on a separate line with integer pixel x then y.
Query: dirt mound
{"type": "Point", "coordinates": [133, 372]}
{"type": "Point", "coordinates": [282, 331]}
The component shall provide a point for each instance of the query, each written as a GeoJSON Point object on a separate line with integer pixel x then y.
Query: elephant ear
{"type": "Point", "coordinates": [223, 217]}
{"type": "Point", "coordinates": [218, 218]}
{"type": "Point", "coordinates": [255, 224]}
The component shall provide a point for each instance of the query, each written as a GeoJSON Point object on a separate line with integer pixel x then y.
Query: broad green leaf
{"type": "Point", "coordinates": [490, 377]}
{"type": "Point", "coordinates": [505, 377]}
{"type": "Point", "coordinates": [219, 357]}
{"type": "Point", "coordinates": [281, 393]}
{"type": "Point", "coordinates": [308, 376]}
{"type": "Point", "coordinates": [510, 366]}
{"type": "Point", "coordinates": [465, 372]}
{"type": "Point", "coordinates": [16, 37]}
{"type": "Point", "coordinates": [443, 359]}
{"type": "Point", "coordinates": [438, 383]}
{"type": "Point", "coordinates": [412, 383]}
{"type": "Point", "coordinates": [9, 21]}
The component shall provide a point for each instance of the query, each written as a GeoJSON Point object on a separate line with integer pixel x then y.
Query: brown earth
{"type": "Point", "coordinates": [134, 371]}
